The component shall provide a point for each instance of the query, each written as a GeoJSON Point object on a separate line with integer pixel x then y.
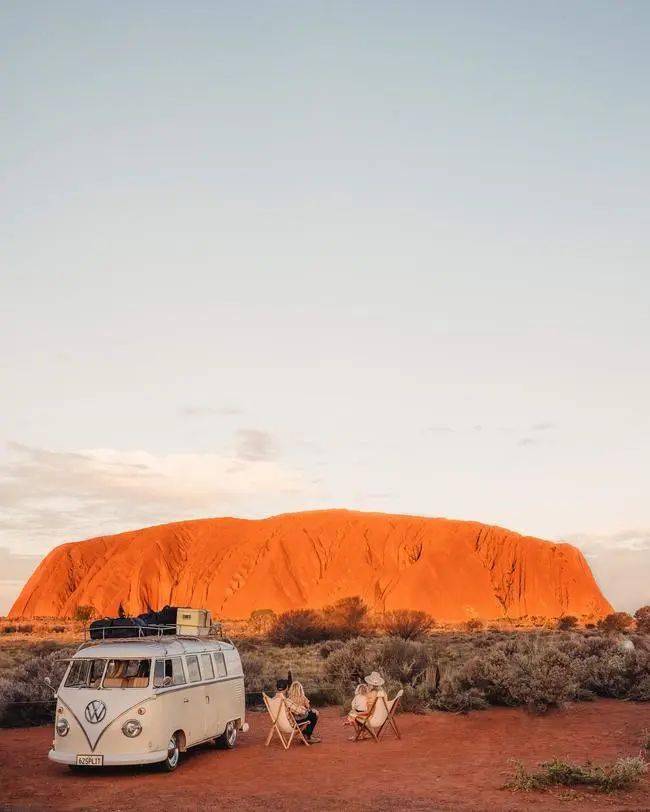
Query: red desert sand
{"type": "Point", "coordinates": [454, 570]}
{"type": "Point", "coordinates": [443, 761]}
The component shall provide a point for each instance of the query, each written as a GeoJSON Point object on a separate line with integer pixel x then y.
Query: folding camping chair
{"type": "Point", "coordinates": [380, 716]}
{"type": "Point", "coordinates": [284, 722]}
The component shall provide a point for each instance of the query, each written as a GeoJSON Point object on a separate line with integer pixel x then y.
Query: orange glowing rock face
{"type": "Point", "coordinates": [452, 569]}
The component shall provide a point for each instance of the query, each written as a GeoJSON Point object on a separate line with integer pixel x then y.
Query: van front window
{"type": "Point", "coordinates": [85, 674]}
{"type": "Point", "coordinates": [127, 674]}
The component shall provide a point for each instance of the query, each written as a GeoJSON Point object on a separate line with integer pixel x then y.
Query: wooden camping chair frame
{"type": "Point", "coordinates": [296, 727]}
{"type": "Point", "coordinates": [364, 729]}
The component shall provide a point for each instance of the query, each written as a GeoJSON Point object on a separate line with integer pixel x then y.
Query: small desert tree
{"type": "Point", "coordinates": [298, 627]}
{"type": "Point", "coordinates": [642, 617]}
{"type": "Point", "coordinates": [84, 613]}
{"type": "Point", "coordinates": [616, 622]}
{"type": "Point", "coordinates": [567, 622]}
{"type": "Point", "coordinates": [408, 624]}
{"type": "Point", "coordinates": [346, 618]}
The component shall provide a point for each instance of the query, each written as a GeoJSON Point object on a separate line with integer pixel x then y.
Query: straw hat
{"type": "Point", "coordinates": [375, 679]}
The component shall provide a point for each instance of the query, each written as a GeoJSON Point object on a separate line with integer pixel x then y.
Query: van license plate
{"type": "Point", "coordinates": [90, 761]}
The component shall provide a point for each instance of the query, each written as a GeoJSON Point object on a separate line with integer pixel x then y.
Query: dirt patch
{"type": "Point", "coordinates": [443, 761]}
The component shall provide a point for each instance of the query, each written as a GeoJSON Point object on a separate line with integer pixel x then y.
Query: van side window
{"type": "Point", "coordinates": [172, 668]}
{"type": "Point", "coordinates": [206, 667]}
{"type": "Point", "coordinates": [193, 668]}
{"type": "Point", "coordinates": [220, 664]}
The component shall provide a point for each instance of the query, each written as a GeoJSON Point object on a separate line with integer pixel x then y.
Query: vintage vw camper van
{"type": "Point", "coordinates": [146, 700]}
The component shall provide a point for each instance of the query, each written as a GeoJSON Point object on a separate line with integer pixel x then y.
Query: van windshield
{"type": "Point", "coordinates": [85, 674]}
{"type": "Point", "coordinates": [127, 674]}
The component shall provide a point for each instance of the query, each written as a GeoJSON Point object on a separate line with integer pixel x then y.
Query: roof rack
{"type": "Point", "coordinates": [151, 640]}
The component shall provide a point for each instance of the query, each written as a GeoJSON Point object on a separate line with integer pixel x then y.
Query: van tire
{"type": "Point", "coordinates": [173, 755]}
{"type": "Point", "coordinates": [228, 738]}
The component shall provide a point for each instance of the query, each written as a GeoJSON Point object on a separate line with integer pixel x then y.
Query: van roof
{"type": "Point", "coordinates": [145, 647]}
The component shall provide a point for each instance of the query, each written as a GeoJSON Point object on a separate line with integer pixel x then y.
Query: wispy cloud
{"type": "Point", "coordinates": [621, 563]}
{"type": "Point", "coordinates": [254, 445]}
{"type": "Point", "coordinates": [634, 540]}
{"type": "Point", "coordinates": [47, 497]}
{"type": "Point", "coordinates": [545, 426]}
{"type": "Point", "coordinates": [526, 441]}
{"type": "Point", "coordinates": [16, 566]}
{"type": "Point", "coordinates": [211, 411]}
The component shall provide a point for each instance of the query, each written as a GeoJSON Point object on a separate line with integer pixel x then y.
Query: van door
{"type": "Point", "coordinates": [211, 718]}
{"type": "Point", "coordinates": [194, 700]}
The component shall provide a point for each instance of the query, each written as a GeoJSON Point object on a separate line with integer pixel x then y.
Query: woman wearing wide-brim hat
{"type": "Point", "coordinates": [376, 683]}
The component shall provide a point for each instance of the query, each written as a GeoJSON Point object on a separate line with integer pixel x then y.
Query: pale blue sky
{"type": "Point", "coordinates": [261, 257]}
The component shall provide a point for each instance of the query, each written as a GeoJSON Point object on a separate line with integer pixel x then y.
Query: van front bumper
{"type": "Point", "coordinates": [112, 760]}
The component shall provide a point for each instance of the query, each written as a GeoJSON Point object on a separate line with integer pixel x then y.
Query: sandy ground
{"type": "Point", "coordinates": [443, 761]}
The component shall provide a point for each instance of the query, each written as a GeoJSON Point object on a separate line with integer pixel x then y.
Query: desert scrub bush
{"type": "Point", "coordinates": [84, 613]}
{"type": "Point", "coordinates": [404, 661]}
{"type": "Point", "coordinates": [473, 625]}
{"type": "Point", "coordinates": [25, 699]}
{"type": "Point", "coordinates": [348, 617]}
{"type": "Point", "coordinates": [262, 620]}
{"type": "Point", "coordinates": [642, 617]}
{"type": "Point", "coordinates": [329, 647]}
{"type": "Point", "coordinates": [9, 629]}
{"type": "Point", "coordinates": [347, 667]}
{"type": "Point", "coordinates": [567, 622]}
{"type": "Point", "coordinates": [621, 774]}
{"type": "Point", "coordinates": [616, 622]}
{"type": "Point", "coordinates": [408, 624]}
{"type": "Point", "coordinates": [298, 627]}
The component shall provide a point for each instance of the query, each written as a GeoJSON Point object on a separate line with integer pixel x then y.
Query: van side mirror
{"type": "Point", "coordinates": [48, 682]}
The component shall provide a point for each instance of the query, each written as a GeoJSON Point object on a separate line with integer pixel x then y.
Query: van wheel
{"type": "Point", "coordinates": [173, 755]}
{"type": "Point", "coordinates": [228, 738]}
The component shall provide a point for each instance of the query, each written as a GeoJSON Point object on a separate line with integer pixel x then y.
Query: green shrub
{"type": "Point", "coordinates": [298, 628]}
{"type": "Point", "coordinates": [404, 661]}
{"type": "Point", "coordinates": [567, 622]}
{"type": "Point", "coordinates": [25, 699]}
{"type": "Point", "coordinates": [9, 629]}
{"type": "Point", "coordinates": [622, 774]}
{"type": "Point", "coordinates": [347, 667]}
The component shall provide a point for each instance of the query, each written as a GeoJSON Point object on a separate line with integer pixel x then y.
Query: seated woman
{"type": "Point", "coordinates": [376, 683]}
{"type": "Point", "coordinates": [359, 703]}
{"type": "Point", "coordinates": [302, 711]}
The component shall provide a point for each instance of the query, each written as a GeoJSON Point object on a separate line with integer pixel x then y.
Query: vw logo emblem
{"type": "Point", "coordinates": [95, 711]}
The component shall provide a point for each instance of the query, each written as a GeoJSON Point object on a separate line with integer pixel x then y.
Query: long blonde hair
{"type": "Point", "coordinates": [296, 693]}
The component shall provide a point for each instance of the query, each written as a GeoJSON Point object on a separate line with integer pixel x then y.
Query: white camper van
{"type": "Point", "coordinates": [147, 699]}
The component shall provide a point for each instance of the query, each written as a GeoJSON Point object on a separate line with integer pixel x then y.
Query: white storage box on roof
{"type": "Point", "coordinates": [195, 622]}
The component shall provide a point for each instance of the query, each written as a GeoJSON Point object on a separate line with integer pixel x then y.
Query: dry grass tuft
{"type": "Point", "coordinates": [622, 774]}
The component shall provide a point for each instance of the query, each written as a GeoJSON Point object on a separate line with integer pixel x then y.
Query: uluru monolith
{"type": "Point", "coordinates": [455, 570]}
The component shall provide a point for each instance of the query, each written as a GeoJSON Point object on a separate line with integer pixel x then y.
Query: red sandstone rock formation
{"type": "Point", "coordinates": [452, 569]}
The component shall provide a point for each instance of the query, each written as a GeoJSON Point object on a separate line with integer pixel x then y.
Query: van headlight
{"type": "Point", "coordinates": [132, 728]}
{"type": "Point", "coordinates": [62, 726]}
